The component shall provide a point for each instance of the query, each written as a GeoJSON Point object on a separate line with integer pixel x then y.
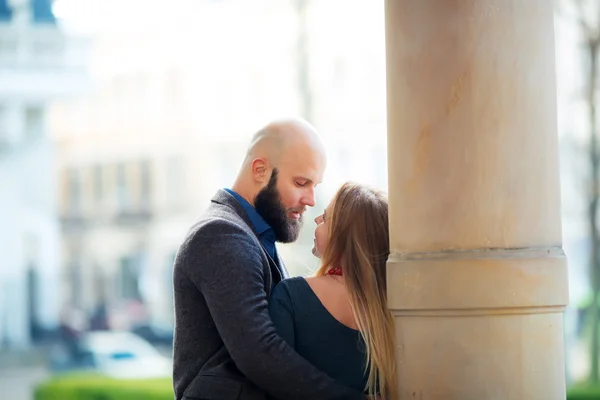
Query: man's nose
{"type": "Point", "coordinates": [309, 199]}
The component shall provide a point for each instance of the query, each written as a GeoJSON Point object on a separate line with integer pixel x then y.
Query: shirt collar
{"type": "Point", "coordinates": [260, 225]}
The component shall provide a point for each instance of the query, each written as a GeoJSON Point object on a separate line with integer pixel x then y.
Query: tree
{"type": "Point", "coordinates": [586, 14]}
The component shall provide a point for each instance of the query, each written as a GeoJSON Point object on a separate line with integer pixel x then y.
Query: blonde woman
{"type": "Point", "coordinates": [339, 320]}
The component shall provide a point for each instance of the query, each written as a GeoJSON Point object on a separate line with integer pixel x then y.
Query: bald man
{"type": "Point", "coordinates": [226, 346]}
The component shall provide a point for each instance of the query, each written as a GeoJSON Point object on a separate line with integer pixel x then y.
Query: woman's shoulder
{"type": "Point", "coordinates": [288, 287]}
{"type": "Point", "coordinates": [305, 285]}
{"type": "Point", "coordinates": [317, 279]}
{"type": "Point", "coordinates": [322, 283]}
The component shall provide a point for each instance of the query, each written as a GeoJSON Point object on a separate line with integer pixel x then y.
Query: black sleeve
{"type": "Point", "coordinates": [282, 314]}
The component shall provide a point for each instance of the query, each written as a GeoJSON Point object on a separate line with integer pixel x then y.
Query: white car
{"type": "Point", "coordinates": [121, 355]}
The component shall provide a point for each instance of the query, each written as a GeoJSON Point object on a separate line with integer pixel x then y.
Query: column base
{"type": "Point", "coordinates": [480, 324]}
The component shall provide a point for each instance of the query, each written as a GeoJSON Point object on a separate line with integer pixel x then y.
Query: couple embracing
{"type": "Point", "coordinates": [243, 328]}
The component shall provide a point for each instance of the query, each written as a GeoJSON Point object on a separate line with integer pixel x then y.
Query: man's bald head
{"type": "Point", "coordinates": [275, 140]}
{"type": "Point", "coordinates": [284, 163]}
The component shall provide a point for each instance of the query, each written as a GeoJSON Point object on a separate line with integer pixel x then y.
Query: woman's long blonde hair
{"type": "Point", "coordinates": [358, 242]}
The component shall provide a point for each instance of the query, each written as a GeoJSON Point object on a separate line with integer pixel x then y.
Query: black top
{"type": "Point", "coordinates": [302, 320]}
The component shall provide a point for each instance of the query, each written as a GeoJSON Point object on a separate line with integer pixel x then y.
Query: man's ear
{"type": "Point", "coordinates": [260, 168]}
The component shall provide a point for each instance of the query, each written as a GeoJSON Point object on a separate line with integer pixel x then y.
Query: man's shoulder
{"type": "Point", "coordinates": [218, 230]}
{"type": "Point", "coordinates": [219, 234]}
{"type": "Point", "coordinates": [217, 216]}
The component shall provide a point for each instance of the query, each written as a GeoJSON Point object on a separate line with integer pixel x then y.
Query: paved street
{"type": "Point", "coordinates": [18, 383]}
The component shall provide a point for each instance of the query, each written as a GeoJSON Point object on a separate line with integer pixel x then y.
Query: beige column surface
{"type": "Point", "coordinates": [477, 277]}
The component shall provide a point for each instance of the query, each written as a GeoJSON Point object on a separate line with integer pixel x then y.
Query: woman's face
{"type": "Point", "coordinates": [321, 232]}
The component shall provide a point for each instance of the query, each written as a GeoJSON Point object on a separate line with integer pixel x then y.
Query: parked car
{"type": "Point", "coordinates": [157, 334]}
{"type": "Point", "coordinates": [113, 354]}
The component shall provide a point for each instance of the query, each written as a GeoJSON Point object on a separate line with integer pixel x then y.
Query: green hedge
{"type": "Point", "coordinates": [92, 387]}
{"type": "Point", "coordinates": [583, 392]}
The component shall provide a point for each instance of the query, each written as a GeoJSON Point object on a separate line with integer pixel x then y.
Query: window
{"type": "Point", "coordinates": [145, 185]}
{"type": "Point", "coordinates": [123, 192]}
{"type": "Point", "coordinates": [75, 281]}
{"type": "Point", "coordinates": [74, 191]}
{"type": "Point", "coordinates": [98, 182]}
{"type": "Point", "coordinates": [129, 277]}
{"type": "Point", "coordinates": [34, 122]}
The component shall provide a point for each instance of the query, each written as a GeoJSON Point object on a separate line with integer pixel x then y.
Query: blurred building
{"type": "Point", "coordinates": [38, 64]}
{"type": "Point", "coordinates": [178, 91]}
{"type": "Point", "coordinates": [173, 108]}
{"type": "Point", "coordinates": [127, 195]}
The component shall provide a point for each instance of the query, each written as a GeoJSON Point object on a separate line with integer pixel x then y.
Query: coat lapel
{"type": "Point", "coordinates": [282, 269]}
{"type": "Point", "coordinates": [275, 271]}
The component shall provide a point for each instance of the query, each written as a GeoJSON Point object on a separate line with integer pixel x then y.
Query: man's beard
{"type": "Point", "coordinates": [268, 204]}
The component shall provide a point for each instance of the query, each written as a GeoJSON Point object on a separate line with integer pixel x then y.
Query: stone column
{"type": "Point", "coordinates": [477, 276]}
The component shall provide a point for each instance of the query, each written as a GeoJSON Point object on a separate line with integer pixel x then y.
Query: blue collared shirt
{"type": "Point", "coordinates": [264, 230]}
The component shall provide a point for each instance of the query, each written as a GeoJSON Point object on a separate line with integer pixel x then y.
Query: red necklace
{"type": "Point", "coordinates": [335, 271]}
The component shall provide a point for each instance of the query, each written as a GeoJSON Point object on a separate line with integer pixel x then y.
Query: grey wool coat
{"type": "Point", "coordinates": [226, 346]}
